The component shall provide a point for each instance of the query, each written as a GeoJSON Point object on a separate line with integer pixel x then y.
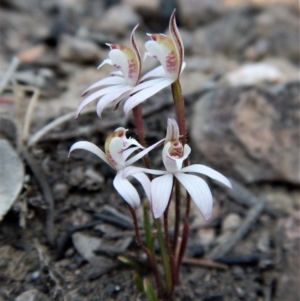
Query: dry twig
{"type": "Point", "coordinates": [253, 214]}
{"type": "Point", "coordinates": [46, 190]}
{"type": "Point", "coordinates": [54, 275]}
{"type": "Point", "coordinates": [204, 263]}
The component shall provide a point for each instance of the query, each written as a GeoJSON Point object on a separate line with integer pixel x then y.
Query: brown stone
{"type": "Point", "coordinates": [249, 133]}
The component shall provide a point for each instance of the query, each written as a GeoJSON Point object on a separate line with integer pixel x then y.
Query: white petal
{"type": "Point", "coordinates": [145, 182]}
{"type": "Point", "coordinates": [106, 61]}
{"type": "Point", "coordinates": [146, 84]}
{"type": "Point", "coordinates": [117, 101]}
{"type": "Point", "coordinates": [129, 151]}
{"type": "Point", "coordinates": [199, 192]}
{"type": "Point", "coordinates": [156, 72]}
{"type": "Point", "coordinates": [107, 81]}
{"type": "Point", "coordinates": [131, 170]}
{"type": "Point", "coordinates": [119, 61]}
{"type": "Point", "coordinates": [126, 190]}
{"type": "Point", "coordinates": [91, 148]}
{"type": "Point", "coordinates": [161, 188]}
{"type": "Point", "coordinates": [96, 95]}
{"type": "Point", "coordinates": [143, 153]}
{"type": "Point", "coordinates": [205, 170]}
{"type": "Point", "coordinates": [141, 96]}
{"type": "Point", "coordinates": [110, 97]}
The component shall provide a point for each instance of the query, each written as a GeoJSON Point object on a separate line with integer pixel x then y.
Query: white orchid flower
{"type": "Point", "coordinates": [170, 53]}
{"type": "Point", "coordinates": [116, 156]}
{"type": "Point", "coordinates": [120, 84]}
{"type": "Point", "coordinates": [173, 155]}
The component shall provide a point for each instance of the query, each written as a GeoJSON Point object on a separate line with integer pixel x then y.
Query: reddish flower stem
{"type": "Point", "coordinates": [169, 248]}
{"type": "Point", "coordinates": [146, 250]}
{"type": "Point", "coordinates": [185, 233]}
{"type": "Point", "coordinates": [139, 125]}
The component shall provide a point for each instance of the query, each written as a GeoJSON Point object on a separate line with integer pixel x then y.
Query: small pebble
{"type": "Point", "coordinates": [35, 275]}
{"type": "Point", "coordinates": [231, 222]}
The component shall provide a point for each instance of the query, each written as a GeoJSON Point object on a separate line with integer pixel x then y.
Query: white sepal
{"type": "Point", "coordinates": [199, 192]}
{"type": "Point", "coordinates": [91, 148]}
{"type": "Point", "coordinates": [161, 188]}
{"type": "Point", "coordinates": [126, 190]}
{"type": "Point", "coordinates": [143, 153]}
{"type": "Point", "coordinates": [141, 96]}
{"type": "Point", "coordinates": [205, 170]}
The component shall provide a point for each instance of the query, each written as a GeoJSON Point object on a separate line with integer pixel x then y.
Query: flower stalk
{"type": "Point", "coordinates": [149, 254]}
{"type": "Point", "coordinates": [165, 260]}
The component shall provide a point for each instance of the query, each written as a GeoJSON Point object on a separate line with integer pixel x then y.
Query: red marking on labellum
{"type": "Point", "coordinates": [153, 37]}
{"type": "Point", "coordinates": [110, 159]}
{"type": "Point", "coordinates": [171, 62]}
{"type": "Point", "coordinates": [132, 68]}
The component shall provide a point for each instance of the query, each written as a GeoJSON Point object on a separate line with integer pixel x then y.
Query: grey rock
{"type": "Point", "coordinates": [60, 191]}
{"type": "Point", "coordinates": [288, 280]}
{"type": "Point", "coordinates": [32, 295]}
{"type": "Point", "coordinates": [77, 176]}
{"type": "Point", "coordinates": [229, 35]}
{"type": "Point", "coordinates": [94, 180]}
{"type": "Point", "coordinates": [251, 34]}
{"type": "Point", "coordinates": [78, 50]}
{"type": "Point", "coordinates": [11, 176]}
{"type": "Point", "coordinates": [86, 245]}
{"type": "Point", "coordinates": [118, 19]}
{"type": "Point", "coordinates": [195, 12]}
{"type": "Point", "coordinates": [144, 7]}
{"type": "Point", "coordinates": [249, 133]}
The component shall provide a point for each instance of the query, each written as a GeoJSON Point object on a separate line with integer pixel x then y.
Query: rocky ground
{"type": "Point", "coordinates": [61, 238]}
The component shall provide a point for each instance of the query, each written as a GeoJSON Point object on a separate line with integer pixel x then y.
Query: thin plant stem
{"type": "Point", "coordinates": [165, 259]}
{"type": "Point", "coordinates": [185, 233]}
{"type": "Point", "coordinates": [169, 247]}
{"type": "Point", "coordinates": [146, 250]}
{"type": "Point", "coordinates": [139, 125]}
{"type": "Point", "coordinates": [147, 225]}
{"type": "Point", "coordinates": [177, 214]}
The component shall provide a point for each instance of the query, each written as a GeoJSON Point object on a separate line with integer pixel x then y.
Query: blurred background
{"type": "Point", "coordinates": [241, 86]}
